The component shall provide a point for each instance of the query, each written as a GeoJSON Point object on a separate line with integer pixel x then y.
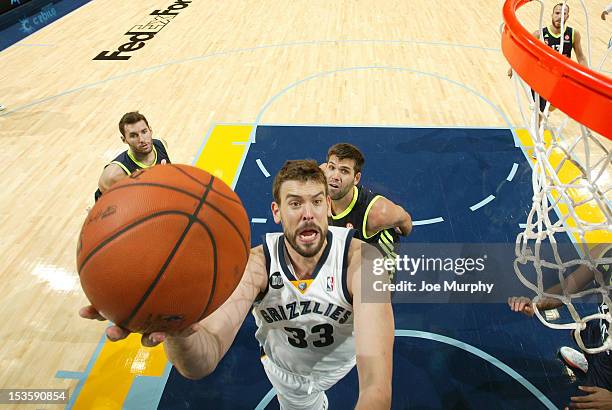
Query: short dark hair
{"type": "Point", "coordinates": [302, 170]}
{"type": "Point", "coordinates": [561, 4]}
{"type": "Point", "coordinates": [131, 118]}
{"type": "Point", "coordinates": [344, 150]}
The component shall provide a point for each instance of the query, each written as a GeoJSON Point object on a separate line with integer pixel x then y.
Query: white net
{"type": "Point", "coordinates": [571, 197]}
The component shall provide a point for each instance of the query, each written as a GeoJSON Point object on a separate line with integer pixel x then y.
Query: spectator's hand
{"type": "Point", "coordinates": [115, 333]}
{"type": "Point", "coordinates": [521, 304]}
{"type": "Point", "coordinates": [597, 399]}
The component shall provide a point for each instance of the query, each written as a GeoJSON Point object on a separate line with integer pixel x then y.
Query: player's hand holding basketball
{"type": "Point", "coordinates": [521, 304]}
{"type": "Point", "coordinates": [115, 333]}
{"type": "Point", "coordinates": [162, 250]}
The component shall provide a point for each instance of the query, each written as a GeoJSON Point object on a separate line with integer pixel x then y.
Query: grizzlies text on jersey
{"type": "Point", "coordinates": [306, 326]}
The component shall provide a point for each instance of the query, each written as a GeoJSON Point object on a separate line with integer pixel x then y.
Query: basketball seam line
{"type": "Point", "coordinates": [214, 278]}
{"type": "Point", "coordinates": [204, 185]}
{"type": "Point", "coordinates": [192, 218]}
{"type": "Point", "coordinates": [125, 229]}
{"type": "Point", "coordinates": [190, 176]}
{"type": "Point", "coordinates": [233, 226]}
{"type": "Point", "coordinates": [153, 184]}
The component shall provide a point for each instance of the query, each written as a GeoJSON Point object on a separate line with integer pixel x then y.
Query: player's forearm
{"type": "Point", "coordinates": [195, 356]}
{"type": "Point", "coordinates": [405, 224]}
{"type": "Point", "coordinates": [548, 303]}
{"type": "Point", "coordinates": [374, 397]}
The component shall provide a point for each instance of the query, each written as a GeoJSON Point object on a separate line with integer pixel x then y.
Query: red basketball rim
{"type": "Point", "coordinates": [583, 94]}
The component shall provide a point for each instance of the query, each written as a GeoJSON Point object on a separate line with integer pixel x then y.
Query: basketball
{"type": "Point", "coordinates": [163, 248]}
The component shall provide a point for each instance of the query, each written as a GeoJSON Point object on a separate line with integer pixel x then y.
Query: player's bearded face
{"type": "Point", "coordinates": [303, 213]}
{"type": "Point", "coordinates": [557, 14]}
{"type": "Point", "coordinates": [340, 176]}
{"type": "Point", "coordinates": [139, 137]}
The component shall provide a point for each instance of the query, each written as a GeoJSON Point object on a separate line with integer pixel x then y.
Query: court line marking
{"type": "Point", "coordinates": [482, 203]}
{"type": "Point", "coordinates": [483, 355]}
{"type": "Point", "coordinates": [203, 145]}
{"type": "Point", "coordinates": [427, 221]}
{"type": "Point", "coordinates": [266, 399]}
{"type": "Point", "coordinates": [90, 365]}
{"type": "Point", "coordinates": [240, 165]}
{"type": "Point", "coordinates": [262, 168]}
{"type": "Point", "coordinates": [463, 346]}
{"type": "Point", "coordinates": [65, 374]}
{"type": "Point", "coordinates": [365, 68]}
{"type": "Point", "coordinates": [235, 51]}
{"type": "Point", "coordinates": [510, 176]}
{"type": "Point", "coordinates": [33, 45]}
{"type": "Point", "coordinates": [259, 220]}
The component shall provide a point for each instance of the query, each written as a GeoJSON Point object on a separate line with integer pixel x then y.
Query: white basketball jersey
{"type": "Point", "coordinates": [306, 326]}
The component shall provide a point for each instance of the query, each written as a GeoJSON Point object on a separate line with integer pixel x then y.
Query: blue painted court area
{"type": "Point", "coordinates": [448, 173]}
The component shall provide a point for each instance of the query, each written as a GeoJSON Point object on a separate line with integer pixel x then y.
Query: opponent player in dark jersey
{"type": "Point", "coordinates": [143, 151]}
{"type": "Point", "coordinates": [552, 37]}
{"type": "Point", "coordinates": [598, 367]}
{"type": "Point", "coordinates": [376, 219]}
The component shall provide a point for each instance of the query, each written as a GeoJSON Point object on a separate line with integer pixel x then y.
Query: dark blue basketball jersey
{"type": "Point", "coordinates": [356, 216]}
{"type": "Point", "coordinates": [129, 163]}
{"type": "Point", "coordinates": [554, 40]}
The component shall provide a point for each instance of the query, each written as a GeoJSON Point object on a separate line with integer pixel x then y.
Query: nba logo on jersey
{"type": "Point", "coordinates": [567, 36]}
{"type": "Point", "coordinates": [329, 284]}
{"type": "Point", "coordinates": [349, 225]}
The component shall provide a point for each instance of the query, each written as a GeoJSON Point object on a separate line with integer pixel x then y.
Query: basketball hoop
{"type": "Point", "coordinates": [571, 165]}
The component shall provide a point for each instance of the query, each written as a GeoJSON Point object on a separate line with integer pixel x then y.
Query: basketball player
{"type": "Point", "coordinates": [598, 367]}
{"type": "Point", "coordinates": [305, 290]}
{"type": "Point", "coordinates": [552, 37]}
{"type": "Point", "coordinates": [143, 151]}
{"type": "Point", "coordinates": [377, 220]}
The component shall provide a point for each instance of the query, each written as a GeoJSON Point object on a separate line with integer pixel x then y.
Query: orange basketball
{"type": "Point", "coordinates": [163, 248]}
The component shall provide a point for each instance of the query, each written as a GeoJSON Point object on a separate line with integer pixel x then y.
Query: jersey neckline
{"type": "Point", "coordinates": [285, 267]}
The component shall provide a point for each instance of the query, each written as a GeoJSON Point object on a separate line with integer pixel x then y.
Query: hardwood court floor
{"type": "Point", "coordinates": [418, 62]}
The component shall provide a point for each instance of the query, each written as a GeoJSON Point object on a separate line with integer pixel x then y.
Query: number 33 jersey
{"type": "Point", "coordinates": [306, 326]}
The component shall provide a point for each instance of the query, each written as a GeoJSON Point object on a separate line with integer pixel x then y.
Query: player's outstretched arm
{"type": "Point", "coordinates": [197, 355]}
{"type": "Point", "coordinates": [111, 174]}
{"type": "Point", "coordinates": [384, 214]}
{"type": "Point", "coordinates": [578, 49]}
{"type": "Point", "coordinates": [197, 350]}
{"type": "Point", "coordinates": [574, 282]}
{"type": "Point", "coordinates": [374, 336]}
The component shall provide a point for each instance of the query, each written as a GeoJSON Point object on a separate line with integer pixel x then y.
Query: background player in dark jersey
{"type": "Point", "coordinates": [552, 37]}
{"type": "Point", "coordinates": [598, 367]}
{"type": "Point", "coordinates": [143, 151]}
{"type": "Point", "coordinates": [377, 220]}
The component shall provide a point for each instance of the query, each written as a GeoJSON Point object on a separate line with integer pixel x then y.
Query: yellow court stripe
{"type": "Point", "coordinates": [588, 212]}
{"type": "Point", "coordinates": [221, 157]}
{"type": "Point", "coordinates": [113, 373]}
